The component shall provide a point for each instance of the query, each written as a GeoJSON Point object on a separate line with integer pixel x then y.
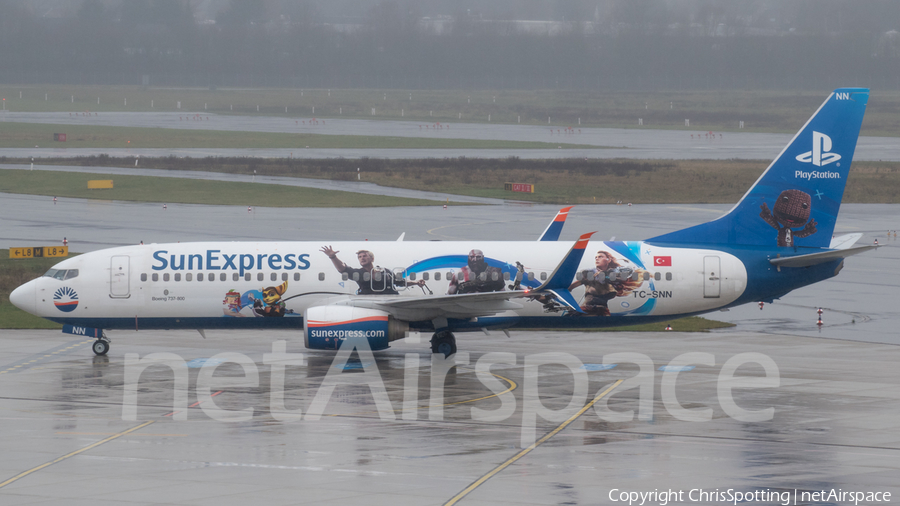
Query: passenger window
{"type": "Point", "coordinates": [657, 276]}
{"type": "Point", "coordinates": [284, 276]}
{"type": "Point", "coordinates": [437, 276]}
{"type": "Point", "coordinates": [425, 276]}
{"type": "Point", "coordinates": [144, 276]}
{"type": "Point", "coordinates": [378, 275]}
{"type": "Point", "coordinates": [634, 276]}
{"type": "Point", "coordinates": [544, 276]}
{"type": "Point", "coordinates": [247, 277]}
{"type": "Point", "coordinates": [235, 277]}
{"type": "Point", "coordinates": [412, 276]}
{"type": "Point", "coordinates": [530, 276]}
{"type": "Point", "coordinates": [506, 276]}
{"type": "Point", "coordinates": [646, 276]}
{"type": "Point", "coordinates": [355, 276]}
{"type": "Point", "coordinates": [260, 277]}
{"type": "Point", "coordinates": [579, 276]}
{"type": "Point", "coordinates": [166, 276]}
{"type": "Point", "coordinates": [199, 276]}
{"type": "Point", "coordinates": [296, 276]}
{"type": "Point", "coordinates": [460, 276]}
{"type": "Point", "coordinates": [321, 276]}
{"type": "Point", "coordinates": [274, 277]}
{"type": "Point", "coordinates": [668, 276]}
{"type": "Point", "coordinates": [177, 276]}
{"type": "Point", "coordinates": [223, 277]}
{"type": "Point", "coordinates": [482, 276]}
{"type": "Point", "coordinates": [367, 276]}
{"type": "Point", "coordinates": [188, 276]}
{"type": "Point", "coordinates": [344, 276]}
{"type": "Point", "coordinates": [155, 277]}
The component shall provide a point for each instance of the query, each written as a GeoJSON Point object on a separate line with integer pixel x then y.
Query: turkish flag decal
{"type": "Point", "coordinates": [662, 261]}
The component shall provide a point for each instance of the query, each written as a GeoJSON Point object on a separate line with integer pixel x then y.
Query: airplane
{"type": "Point", "coordinates": [777, 238]}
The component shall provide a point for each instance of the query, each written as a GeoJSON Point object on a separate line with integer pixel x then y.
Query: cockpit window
{"type": "Point", "coordinates": [61, 274]}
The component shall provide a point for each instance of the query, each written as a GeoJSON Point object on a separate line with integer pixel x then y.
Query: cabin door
{"type": "Point", "coordinates": [119, 276]}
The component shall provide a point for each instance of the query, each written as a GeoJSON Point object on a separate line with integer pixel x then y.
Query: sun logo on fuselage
{"type": "Point", "coordinates": [65, 299]}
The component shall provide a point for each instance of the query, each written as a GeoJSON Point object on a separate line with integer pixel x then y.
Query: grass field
{"type": "Point", "coordinates": [561, 181]}
{"type": "Point", "coordinates": [189, 191]}
{"type": "Point", "coordinates": [708, 110]}
{"type": "Point", "coordinates": [26, 135]}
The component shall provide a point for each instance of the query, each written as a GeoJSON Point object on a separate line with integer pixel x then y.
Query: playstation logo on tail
{"type": "Point", "coordinates": [820, 154]}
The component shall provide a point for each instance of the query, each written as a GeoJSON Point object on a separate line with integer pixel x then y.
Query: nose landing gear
{"type": "Point", "coordinates": [101, 345]}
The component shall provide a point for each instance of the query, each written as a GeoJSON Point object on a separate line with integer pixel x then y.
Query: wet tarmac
{"type": "Point", "coordinates": [639, 142]}
{"type": "Point", "coordinates": [834, 423]}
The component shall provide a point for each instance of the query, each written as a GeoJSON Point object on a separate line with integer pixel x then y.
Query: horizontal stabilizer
{"type": "Point", "coordinates": [818, 258]}
{"type": "Point", "coordinates": [844, 241]}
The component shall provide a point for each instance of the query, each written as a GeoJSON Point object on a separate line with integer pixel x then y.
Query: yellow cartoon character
{"type": "Point", "coordinates": [271, 305]}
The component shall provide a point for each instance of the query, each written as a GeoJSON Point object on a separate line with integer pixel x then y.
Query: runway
{"type": "Point", "coordinates": [638, 142]}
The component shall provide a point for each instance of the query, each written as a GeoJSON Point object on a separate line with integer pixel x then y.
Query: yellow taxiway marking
{"type": "Point", "coordinates": [48, 355]}
{"type": "Point", "coordinates": [76, 452]}
{"type": "Point", "coordinates": [477, 483]}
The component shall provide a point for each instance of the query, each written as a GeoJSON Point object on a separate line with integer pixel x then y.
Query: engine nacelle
{"type": "Point", "coordinates": [326, 327]}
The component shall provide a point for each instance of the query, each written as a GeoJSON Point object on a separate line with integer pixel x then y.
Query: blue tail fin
{"type": "Point", "coordinates": [796, 200]}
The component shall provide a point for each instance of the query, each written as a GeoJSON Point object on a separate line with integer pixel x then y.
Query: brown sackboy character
{"type": "Point", "coordinates": [791, 211]}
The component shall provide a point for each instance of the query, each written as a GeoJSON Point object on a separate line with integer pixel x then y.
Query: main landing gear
{"type": "Point", "coordinates": [444, 342]}
{"type": "Point", "coordinates": [101, 345]}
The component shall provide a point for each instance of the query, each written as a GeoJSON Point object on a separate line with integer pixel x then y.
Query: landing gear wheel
{"type": "Point", "coordinates": [100, 347]}
{"type": "Point", "coordinates": [443, 342]}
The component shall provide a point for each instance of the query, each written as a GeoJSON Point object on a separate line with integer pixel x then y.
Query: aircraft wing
{"type": "Point", "coordinates": [551, 233]}
{"type": "Point", "coordinates": [468, 305]}
{"type": "Point", "coordinates": [482, 304]}
{"type": "Point", "coordinates": [817, 258]}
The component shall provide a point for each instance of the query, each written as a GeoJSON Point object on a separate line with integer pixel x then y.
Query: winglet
{"type": "Point", "coordinates": [562, 276]}
{"type": "Point", "coordinates": [551, 233]}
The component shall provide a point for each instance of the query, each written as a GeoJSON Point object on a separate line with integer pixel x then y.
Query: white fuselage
{"type": "Point", "coordinates": [188, 284]}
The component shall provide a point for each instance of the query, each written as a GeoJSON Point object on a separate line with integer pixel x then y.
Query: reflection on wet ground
{"type": "Point", "coordinates": [834, 423]}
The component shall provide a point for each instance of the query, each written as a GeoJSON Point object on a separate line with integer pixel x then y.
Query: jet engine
{"type": "Point", "coordinates": [326, 327]}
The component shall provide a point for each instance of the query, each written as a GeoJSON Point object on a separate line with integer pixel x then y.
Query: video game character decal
{"type": "Point", "coordinates": [791, 211]}
{"type": "Point", "coordinates": [262, 303]}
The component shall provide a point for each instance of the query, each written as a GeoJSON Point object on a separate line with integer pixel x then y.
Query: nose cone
{"type": "Point", "coordinates": [23, 297]}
